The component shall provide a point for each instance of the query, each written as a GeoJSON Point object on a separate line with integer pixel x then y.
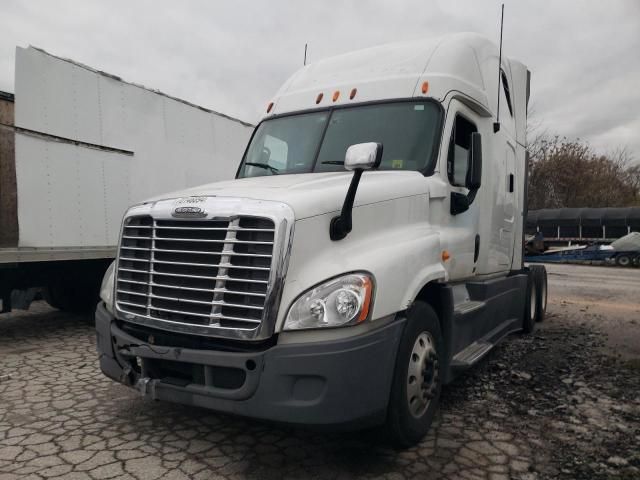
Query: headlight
{"type": "Point", "coordinates": [106, 289]}
{"type": "Point", "coordinates": [337, 303]}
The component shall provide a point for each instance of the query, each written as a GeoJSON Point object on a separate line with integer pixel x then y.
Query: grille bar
{"type": "Point", "coordinates": [213, 273]}
{"type": "Point", "coordinates": [190, 264]}
{"type": "Point", "coordinates": [129, 237]}
{"type": "Point", "coordinates": [231, 254]}
{"type": "Point", "coordinates": [218, 229]}
{"type": "Point", "coordinates": [202, 277]}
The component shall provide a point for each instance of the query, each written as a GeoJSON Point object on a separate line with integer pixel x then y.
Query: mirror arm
{"type": "Point", "coordinates": [341, 225]}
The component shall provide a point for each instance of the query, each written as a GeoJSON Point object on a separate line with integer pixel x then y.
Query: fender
{"type": "Point", "coordinates": [402, 257]}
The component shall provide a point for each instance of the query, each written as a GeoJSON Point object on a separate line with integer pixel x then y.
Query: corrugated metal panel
{"type": "Point", "coordinates": [73, 195]}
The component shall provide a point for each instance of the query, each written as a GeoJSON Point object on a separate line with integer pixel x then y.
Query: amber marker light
{"type": "Point", "coordinates": [352, 95]}
{"type": "Point", "coordinates": [425, 86]}
{"type": "Point", "coordinates": [336, 95]}
{"type": "Point", "coordinates": [319, 98]}
{"type": "Point", "coordinates": [269, 107]}
{"type": "Point", "coordinates": [368, 291]}
{"type": "Point", "coordinates": [445, 255]}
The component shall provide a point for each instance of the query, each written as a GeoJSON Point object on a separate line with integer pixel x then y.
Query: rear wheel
{"type": "Point", "coordinates": [540, 279]}
{"type": "Point", "coordinates": [417, 381]}
{"type": "Point", "coordinates": [623, 260]}
{"type": "Point", "coordinates": [530, 304]}
{"type": "Point", "coordinates": [636, 261]}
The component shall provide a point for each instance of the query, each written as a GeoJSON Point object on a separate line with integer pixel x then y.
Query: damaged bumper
{"type": "Point", "coordinates": [338, 382]}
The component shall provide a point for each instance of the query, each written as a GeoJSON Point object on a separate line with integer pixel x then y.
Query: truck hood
{"type": "Point", "coordinates": [312, 194]}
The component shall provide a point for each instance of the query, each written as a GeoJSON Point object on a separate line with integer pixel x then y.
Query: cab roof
{"type": "Point", "coordinates": [463, 63]}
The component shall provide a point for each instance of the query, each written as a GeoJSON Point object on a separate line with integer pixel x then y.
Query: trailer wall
{"type": "Point", "coordinates": [88, 145]}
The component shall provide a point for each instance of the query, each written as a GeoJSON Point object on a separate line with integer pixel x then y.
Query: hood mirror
{"type": "Point", "coordinates": [365, 156]}
{"type": "Point", "coordinates": [359, 157]}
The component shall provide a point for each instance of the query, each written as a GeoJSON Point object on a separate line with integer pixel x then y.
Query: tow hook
{"type": "Point", "coordinates": [145, 386]}
{"type": "Point", "coordinates": [125, 376]}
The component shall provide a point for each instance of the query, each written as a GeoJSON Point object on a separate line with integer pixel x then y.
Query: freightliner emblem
{"type": "Point", "coordinates": [188, 212]}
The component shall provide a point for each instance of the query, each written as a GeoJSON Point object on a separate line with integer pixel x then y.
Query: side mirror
{"type": "Point", "coordinates": [474, 172]}
{"type": "Point", "coordinates": [359, 157]}
{"type": "Point", "coordinates": [365, 156]}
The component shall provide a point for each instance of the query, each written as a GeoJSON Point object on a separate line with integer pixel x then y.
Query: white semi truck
{"type": "Point", "coordinates": [77, 147]}
{"type": "Point", "coordinates": [369, 249]}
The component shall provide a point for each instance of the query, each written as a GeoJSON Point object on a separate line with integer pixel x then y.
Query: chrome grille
{"type": "Point", "coordinates": [200, 272]}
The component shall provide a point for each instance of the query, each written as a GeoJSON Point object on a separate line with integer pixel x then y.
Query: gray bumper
{"type": "Point", "coordinates": [326, 383]}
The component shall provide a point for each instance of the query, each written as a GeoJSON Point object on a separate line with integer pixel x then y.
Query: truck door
{"type": "Point", "coordinates": [460, 231]}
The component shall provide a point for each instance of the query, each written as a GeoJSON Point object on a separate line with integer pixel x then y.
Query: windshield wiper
{"type": "Point", "coordinates": [333, 162]}
{"type": "Point", "coordinates": [266, 166]}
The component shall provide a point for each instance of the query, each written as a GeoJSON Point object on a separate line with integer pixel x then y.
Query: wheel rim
{"type": "Point", "coordinates": [422, 374]}
{"type": "Point", "coordinates": [532, 302]}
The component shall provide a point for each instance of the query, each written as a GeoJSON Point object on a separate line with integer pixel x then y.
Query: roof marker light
{"type": "Point", "coordinates": [319, 98]}
{"type": "Point", "coordinates": [336, 95]}
{"type": "Point", "coordinates": [425, 86]}
{"type": "Point", "coordinates": [353, 93]}
{"type": "Point", "coordinates": [269, 107]}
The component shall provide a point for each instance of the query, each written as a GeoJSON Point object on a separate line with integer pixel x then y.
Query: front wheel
{"type": "Point", "coordinates": [417, 381]}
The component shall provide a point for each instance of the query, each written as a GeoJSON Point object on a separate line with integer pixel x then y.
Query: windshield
{"type": "Point", "coordinates": [318, 141]}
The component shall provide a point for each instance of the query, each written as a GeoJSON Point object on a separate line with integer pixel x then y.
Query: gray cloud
{"type": "Point", "coordinates": [232, 56]}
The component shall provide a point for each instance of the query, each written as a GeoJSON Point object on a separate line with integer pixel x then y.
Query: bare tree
{"type": "Point", "coordinates": [568, 173]}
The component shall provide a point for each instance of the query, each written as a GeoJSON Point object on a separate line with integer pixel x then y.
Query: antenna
{"type": "Point", "coordinates": [305, 54]}
{"type": "Point", "coordinates": [496, 125]}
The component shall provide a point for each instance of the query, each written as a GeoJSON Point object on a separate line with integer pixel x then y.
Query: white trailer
{"type": "Point", "coordinates": [77, 147]}
{"type": "Point", "coordinates": [369, 249]}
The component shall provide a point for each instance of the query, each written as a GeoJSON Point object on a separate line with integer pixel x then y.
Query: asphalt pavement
{"type": "Point", "coordinates": [555, 404]}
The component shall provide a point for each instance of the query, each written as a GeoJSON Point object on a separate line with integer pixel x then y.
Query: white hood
{"type": "Point", "coordinates": [311, 194]}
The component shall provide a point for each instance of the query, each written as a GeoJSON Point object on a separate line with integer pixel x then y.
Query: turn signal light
{"type": "Point", "coordinates": [336, 95]}
{"type": "Point", "coordinates": [319, 98]}
{"type": "Point", "coordinates": [353, 93]}
{"type": "Point", "coordinates": [425, 86]}
{"type": "Point", "coordinates": [269, 107]}
{"type": "Point", "coordinates": [445, 255]}
{"type": "Point", "coordinates": [368, 289]}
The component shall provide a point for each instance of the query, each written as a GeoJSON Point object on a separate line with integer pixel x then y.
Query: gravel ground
{"type": "Point", "coordinates": [554, 404]}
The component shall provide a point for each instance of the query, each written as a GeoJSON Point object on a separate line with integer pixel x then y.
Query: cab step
{"type": "Point", "coordinates": [468, 307]}
{"type": "Point", "coordinates": [471, 354]}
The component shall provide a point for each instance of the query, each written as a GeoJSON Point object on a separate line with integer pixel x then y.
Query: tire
{"type": "Point", "coordinates": [540, 279]}
{"type": "Point", "coordinates": [421, 350]}
{"type": "Point", "coordinates": [635, 262]}
{"type": "Point", "coordinates": [530, 304]}
{"type": "Point", "coordinates": [623, 260]}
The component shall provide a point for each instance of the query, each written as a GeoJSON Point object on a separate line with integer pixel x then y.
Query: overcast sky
{"type": "Point", "coordinates": [232, 56]}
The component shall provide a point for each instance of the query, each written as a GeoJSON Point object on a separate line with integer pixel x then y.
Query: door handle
{"type": "Point", "coordinates": [511, 179]}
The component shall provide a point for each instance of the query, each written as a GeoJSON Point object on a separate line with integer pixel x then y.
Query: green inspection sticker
{"type": "Point", "coordinates": [397, 163]}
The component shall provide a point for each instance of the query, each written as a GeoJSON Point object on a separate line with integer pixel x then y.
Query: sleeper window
{"type": "Point", "coordinates": [459, 151]}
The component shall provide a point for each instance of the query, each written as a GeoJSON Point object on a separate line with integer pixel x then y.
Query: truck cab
{"type": "Point", "coordinates": [368, 250]}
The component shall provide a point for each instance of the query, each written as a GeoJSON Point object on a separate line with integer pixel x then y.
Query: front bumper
{"type": "Point", "coordinates": [340, 382]}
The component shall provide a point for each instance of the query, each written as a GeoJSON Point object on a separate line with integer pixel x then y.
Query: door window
{"type": "Point", "coordinates": [459, 151]}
